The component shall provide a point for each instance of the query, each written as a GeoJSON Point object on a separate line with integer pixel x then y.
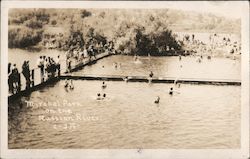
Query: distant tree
{"type": "Point", "coordinates": [41, 15]}
{"type": "Point", "coordinates": [53, 22]}
{"type": "Point", "coordinates": [85, 13]}
{"type": "Point", "coordinates": [91, 32]}
{"type": "Point", "coordinates": [143, 43]}
{"type": "Point", "coordinates": [102, 14]}
{"type": "Point", "coordinates": [154, 43]}
{"type": "Point", "coordinates": [75, 39]}
{"type": "Point", "coordinates": [34, 24]}
{"type": "Point", "coordinates": [151, 18]}
{"type": "Point", "coordinates": [100, 38]}
{"type": "Point", "coordinates": [24, 37]}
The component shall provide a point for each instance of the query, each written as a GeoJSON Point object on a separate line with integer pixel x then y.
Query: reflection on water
{"type": "Point", "coordinates": [201, 116]}
{"type": "Point", "coordinates": [188, 67]}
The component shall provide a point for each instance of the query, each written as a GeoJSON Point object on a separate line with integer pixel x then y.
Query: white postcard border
{"type": "Point", "coordinates": [242, 153]}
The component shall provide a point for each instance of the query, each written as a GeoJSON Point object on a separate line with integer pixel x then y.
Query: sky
{"type": "Point", "coordinates": [231, 9]}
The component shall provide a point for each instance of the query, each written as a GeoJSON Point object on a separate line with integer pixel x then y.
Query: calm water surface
{"type": "Point", "coordinates": [201, 116]}
{"type": "Point", "coordinates": [188, 67]}
{"type": "Point", "coordinates": [18, 56]}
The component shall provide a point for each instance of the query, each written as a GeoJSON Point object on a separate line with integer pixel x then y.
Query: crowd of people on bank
{"type": "Point", "coordinates": [215, 42]}
{"type": "Point", "coordinates": [88, 51]}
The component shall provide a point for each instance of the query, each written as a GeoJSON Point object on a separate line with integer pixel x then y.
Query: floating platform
{"type": "Point", "coordinates": [154, 80]}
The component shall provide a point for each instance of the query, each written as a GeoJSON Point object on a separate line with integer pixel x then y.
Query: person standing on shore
{"type": "Point", "coordinates": [26, 73]}
{"type": "Point", "coordinates": [10, 78]}
{"type": "Point", "coordinates": [58, 67]}
{"type": "Point", "coordinates": [16, 79]}
{"type": "Point", "coordinates": [46, 68]}
{"type": "Point", "coordinates": [68, 63]}
{"type": "Point", "coordinates": [40, 64]}
{"type": "Point", "coordinates": [85, 52]}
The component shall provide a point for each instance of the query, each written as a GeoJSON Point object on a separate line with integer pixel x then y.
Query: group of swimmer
{"type": "Point", "coordinates": [117, 65]}
{"type": "Point", "coordinates": [170, 92]}
{"type": "Point", "coordinates": [103, 96]}
{"type": "Point", "coordinates": [199, 58]}
{"type": "Point", "coordinates": [157, 101]}
{"type": "Point", "coordinates": [69, 84]}
{"type": "Point", "coordinates": [99, 97]}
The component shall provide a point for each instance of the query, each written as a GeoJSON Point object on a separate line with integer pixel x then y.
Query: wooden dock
{"type": "Point", "coordinates": [154, 80]}
{"type": "Point", "coordinates": [36, 75]}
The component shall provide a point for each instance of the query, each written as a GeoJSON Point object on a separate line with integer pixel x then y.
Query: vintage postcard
{"type": "Point", "coordinates": [125, 79]}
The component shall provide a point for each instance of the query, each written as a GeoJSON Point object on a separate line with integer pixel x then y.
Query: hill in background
{"type": "Point", "coordinates": [30, 27]}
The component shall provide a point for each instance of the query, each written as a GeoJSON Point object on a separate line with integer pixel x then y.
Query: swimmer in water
{"type": "Point", "coordinates": [171, 91]}
{"type": "Point", "coordinates": [104, 95]}
{"type": "Point", "coordinates": [199, 60]}
{"type": "Point", "coordinates": [179, 57]}
{"type": "Point", "coordinates": [116, 65]}
{"type": "Point", "coordinates": [135, 58]}
{"type": "Point", "coordinates": [151, 74]}
{"type": "Point", "coordinates": [66, 83]}
{"type": "Point", "coordinates": [126, 79]}
{"type": "Point", "coordinates": [71, 84]}
{"type": "Point", "coordinates": [98, 96]}
{"type": "Point", "coordinates": [234, 57]}
{"type": "Point", "coordinates": [103, 85]}
{"type": "Point", "coordinates": [179, 85]}
{"type": "Point", "coordinates": [157, 101]}
{"type": "Point", "coordinates": [150, 77]}
{"type": "Point", "coordinates": [175, 81]}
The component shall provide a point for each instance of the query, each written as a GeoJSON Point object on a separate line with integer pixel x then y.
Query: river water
{"type": "Point", "coordinates": [196, 116]}
{"type": "Point", "coordinates": [17, 56]}
{"type": "Point", "coordinates": [201, 116]}
{"type": "Point", "coordinates": [187, 67]}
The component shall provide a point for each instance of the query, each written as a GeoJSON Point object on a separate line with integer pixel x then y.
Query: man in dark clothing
{"type": "Point", "coordinates": [10, 78]}
{"type": "Point", "coordinates": [26, 73]}
{"type": "Point", "coordinates": [16, 79]}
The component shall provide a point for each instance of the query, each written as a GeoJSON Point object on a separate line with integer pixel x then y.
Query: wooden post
{"type": "Point", "coordinates": [59, 70]}
{"type": "Point", "coordinates": [32, 78]}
